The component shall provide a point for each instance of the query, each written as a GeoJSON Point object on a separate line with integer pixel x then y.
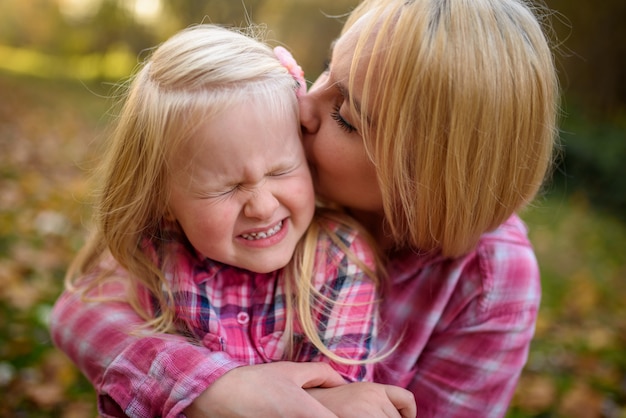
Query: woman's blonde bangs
{"type": "Point", "coordinates": [465, 121]}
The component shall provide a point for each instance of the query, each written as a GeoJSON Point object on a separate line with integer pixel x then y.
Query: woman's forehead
{"type": "Point", "coordinates": [343, 53]}
{"type": "Point", "coordinates": [358, 40]}
{"type": "Point", "coordinates": [345, 45]}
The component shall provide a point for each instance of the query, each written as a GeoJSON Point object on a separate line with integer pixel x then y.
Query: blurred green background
{"type": "Point", "coordinates": [59, 61]}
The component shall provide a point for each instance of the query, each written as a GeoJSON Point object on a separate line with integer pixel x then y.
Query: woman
{"type": "Point", "coordinates": [433, 126]}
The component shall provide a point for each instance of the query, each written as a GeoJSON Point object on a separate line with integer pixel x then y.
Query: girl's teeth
{"type": "Point", "coordinates": [261, 235]}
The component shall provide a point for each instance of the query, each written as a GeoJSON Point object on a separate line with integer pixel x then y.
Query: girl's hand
{"type": "Point", "coordinates": [267, 390]}
{"type": "Point", "coordinates": [369, 400]}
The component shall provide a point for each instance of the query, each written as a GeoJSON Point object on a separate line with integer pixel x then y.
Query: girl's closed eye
{"type": "Point", "coordinates": [343, 124]}
{"type": "Point", "coordinates": [278, 173]}
{"type": "Point", "coordinates": [284, 169]}
{"type": "Point", "coordinates": [218, 194]}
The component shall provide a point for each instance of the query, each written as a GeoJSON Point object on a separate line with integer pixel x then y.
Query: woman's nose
{"type": "Point", "coordinates": [261, 205]}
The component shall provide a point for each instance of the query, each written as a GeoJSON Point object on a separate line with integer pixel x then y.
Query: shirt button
{"type": "Point", "coordinates": [243, 318]}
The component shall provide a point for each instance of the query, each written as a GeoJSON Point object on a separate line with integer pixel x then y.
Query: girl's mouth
{"type": "Point", "coordinates": [263, 234]}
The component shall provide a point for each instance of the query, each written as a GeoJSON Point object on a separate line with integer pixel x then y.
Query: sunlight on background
{"type": "Point", "coordinates": [145, 11]}
{"type": "Point", "coordinates": [92, 40]}
{"type": "Point", "coordinates": [78, 10]}
{"type": "Point", "coordinates": [116, 63]}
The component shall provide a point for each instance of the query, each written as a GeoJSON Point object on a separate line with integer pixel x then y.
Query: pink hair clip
{"type": "Point", "coordinates": [288, 61]}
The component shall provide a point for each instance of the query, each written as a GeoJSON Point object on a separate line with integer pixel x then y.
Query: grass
{"type": "Point", "coordinates": [577, 366]}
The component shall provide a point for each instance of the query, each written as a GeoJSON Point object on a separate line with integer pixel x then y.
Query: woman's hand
{"type": "Point", "coordinates": [367, 400]}
{"type": "Point", "coordinates": [267, 390]}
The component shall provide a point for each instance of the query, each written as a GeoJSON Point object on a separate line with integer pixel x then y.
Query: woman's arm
{"type": "Point", "coordinates": [367, 400]}
{"type": "Point", "coordinates": [473, 370]}
{"type": "Point", "coordinates": [141, 376]}
{"type": "Point", "coordinates": [268, 390]}
{"type": "Point", "coordinates": [472, 362]}
{"type": "Point", "coordinates": [166, 375]}
{"type": "Point", "coordinates": [467, 325]}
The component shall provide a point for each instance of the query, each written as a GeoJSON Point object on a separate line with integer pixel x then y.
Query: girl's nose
{"type": "Point", "coordinates": [261, 205]}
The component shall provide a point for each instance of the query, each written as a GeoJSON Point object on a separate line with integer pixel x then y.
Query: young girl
{"type": "Point", "coordinates": [207, 207]}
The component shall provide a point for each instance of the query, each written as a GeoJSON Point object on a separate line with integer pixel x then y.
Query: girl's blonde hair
{"type": "Point", "coordinates": [465, 94]}
{"type": "Point", "coordinates": [187, 80]}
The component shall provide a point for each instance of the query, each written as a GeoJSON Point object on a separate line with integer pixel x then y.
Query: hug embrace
{"type": "Point", "coordinates": [353, 250]}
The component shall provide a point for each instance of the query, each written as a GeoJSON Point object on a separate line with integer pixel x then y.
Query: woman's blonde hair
{"type": "Point", "coordinates": [187, 80]}
{"type": "Point", "coordinates": [465, 94]}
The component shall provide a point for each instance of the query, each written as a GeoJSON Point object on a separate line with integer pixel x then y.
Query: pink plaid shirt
{"type": "Point", "coordinates": [466, 325]}
{"type": "Point", "coordinates": [234, 317]}
{"type": "Point", "coordinates": [243, 313]}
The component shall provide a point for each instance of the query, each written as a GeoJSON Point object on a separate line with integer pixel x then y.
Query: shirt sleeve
{"type": "Point", "coordinates": [471, 364]}
{"type": "Point", "coordinates": [349, 328]}
{"type": "Point", "coordinates": [134, 375]}
{"type": "Point", "coordinates": [472, 371]}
